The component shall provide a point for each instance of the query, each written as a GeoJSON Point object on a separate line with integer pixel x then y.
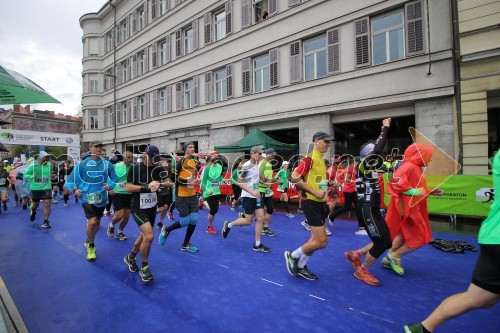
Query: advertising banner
{"type": "Point", "coordinates": [467, 195]}
{"type": "Point", "coordinates": [33, 138]}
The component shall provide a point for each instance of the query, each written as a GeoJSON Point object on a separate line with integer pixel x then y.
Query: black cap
{"type": "Point", "coordinates": [152, 151]}
{"type": "Point", "coordinates": [322, 136]}
{"type": "Point", "coordinates": [186, 144]}
{"type": "Point", "coordinates": [95, 143]}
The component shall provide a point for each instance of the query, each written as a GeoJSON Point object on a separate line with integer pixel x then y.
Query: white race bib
{"type": "Point", "coordinates": [94, 198]}
{"type": "Point", "coordinates": [148, 200]}
{"type": "Point", "coordinates": [323, 185]}
{"type": "Point", "coordinates": [121, 186]}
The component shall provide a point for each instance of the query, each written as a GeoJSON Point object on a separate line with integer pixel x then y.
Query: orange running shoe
{"type": "Point", "coordinates": [211, 230]}
{"type": "Point", "coordinates": [354, 258]}
{"type": "Point", "coordinates": [364, 275]}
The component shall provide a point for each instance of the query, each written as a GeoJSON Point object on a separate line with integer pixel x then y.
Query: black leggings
{"type": "Point", "coordinates": [213, 203]}
{"type": "Point", "coordinates": [369, 217]}
{"type": "Point", "coordinates": [350, 198]}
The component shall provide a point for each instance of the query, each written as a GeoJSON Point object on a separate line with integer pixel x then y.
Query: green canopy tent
{"type": "Point", "coordinates": [255, 138]}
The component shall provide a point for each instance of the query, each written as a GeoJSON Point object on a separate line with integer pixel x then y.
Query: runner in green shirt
{"type": "Point", "coordinates": [39, 173]}
{"type": "Point", "coordinates": [211, 180]}
{"type": "Point", "coordinates": [283, 175]}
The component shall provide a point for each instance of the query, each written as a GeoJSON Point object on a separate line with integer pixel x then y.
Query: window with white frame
{"type": "Point", "coordinates": [93, 119]}
{"type": "Point", "coordinates": [388, 37]}
{"type": "Point", "coordinates": [189, 93]}
{"type": "Point", "coordinates": [93, 84]}
{"type": "Point", "coordinates": [124, 30]}
{"type": "Point", "coordinates": [261, 73]}
{"type": "Point", "coordinates": [164, 6]}
{"type": "Point", "coordinates": [163, 52]}
{"type": "Point", "coordinates": [141, 63]}
{"type": "Point", "coordinates": [141, 18]}
{"type": "Point", "coordinates": [142, 107]}
{"type": "Point", "coordinates": [260, 10]}
{"type": "Point", "coordinates": [125, 67]}
{"type": "Point", "coordinates": [163, 102]}
{"type": "Point", "coordinates": [109, 79]}
{"type": "Point", "coordinates": [220, 85]}
{"type": "Point", "coordinates": [220, 25]}
{"type": "Point", "coordinates": [221, 21]}
{"type": "Point", "coordinates": [109, 41]}
{"type": "Point", "coordinates": [93, 47]}
{"type": "Point", "coordinates": [315, 58]}
{"type": "Point", "coordinates": [188, 40]}
{"type": "Point", "coordinates": [125, 112]}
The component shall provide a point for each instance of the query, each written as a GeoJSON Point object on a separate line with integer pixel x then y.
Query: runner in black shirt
{"type": "Point", "coordinates": [368, 208]}
{"type": "Point", "coordinates": [143, 181]}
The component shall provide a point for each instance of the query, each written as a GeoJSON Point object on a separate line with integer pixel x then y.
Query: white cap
{"type": "Point", "coordinates": [42, 154]}
{"type": "Point", "coordinates": [5, 161]}
{"type": "Point", "coordinates": [285, 163]}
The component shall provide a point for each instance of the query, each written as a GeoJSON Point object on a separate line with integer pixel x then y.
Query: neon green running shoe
{"type": "Point", "coordinates": [394, 264]}
{"type": "Point", "coordinates": [91, 253]}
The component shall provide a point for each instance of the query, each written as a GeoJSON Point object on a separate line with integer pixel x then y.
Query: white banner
{"type": "Point", "coordinates": [15, 137]}
{"type": "Point", "coordinates": [74, 153]}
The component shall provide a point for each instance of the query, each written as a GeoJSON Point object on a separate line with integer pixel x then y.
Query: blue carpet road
{"type": "Point", "coordinates": [226, 287]}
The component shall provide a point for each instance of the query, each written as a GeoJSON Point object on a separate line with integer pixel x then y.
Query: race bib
{"type": "Point", "coordinates": [41, 180]}
{"type": "Point", "coordinates": [281, 187]}
{"type": "Point", "coordinates": [121, 186]}
{"type": "Point", "coordinates": [215, 184]}
{"type": "Point", "coordinates": [2, 181]}
{"type": "Point", "coordinates": [147, 200]}
{"type": "Point", "coordinates": [94, 198]}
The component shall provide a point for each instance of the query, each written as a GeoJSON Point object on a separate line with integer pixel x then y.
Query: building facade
{"type": "Point", "coordinates": [167, 71]}
{"type": "Point", "coordinates": [479, 70]}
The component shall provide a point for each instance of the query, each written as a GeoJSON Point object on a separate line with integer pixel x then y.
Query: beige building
{"type": "Point", "coordinates": [479, 38]}
{"type": "Point", "coordinates": [167, 71]}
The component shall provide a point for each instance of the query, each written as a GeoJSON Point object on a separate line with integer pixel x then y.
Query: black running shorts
{"type": "Point", "coordinates": [486, 275]}
{"type": "Point", "coordinates": [37, 195]}
{"type": "Point", "coordinates": [92, 211]}
{"type": "Point", "coordinates": [316, 212]}
{"type": "Point", "coordinates": [142, 216]}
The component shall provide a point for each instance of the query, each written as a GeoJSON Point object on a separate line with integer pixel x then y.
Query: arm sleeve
{"type": "Point", "coordinates": [374, 160]}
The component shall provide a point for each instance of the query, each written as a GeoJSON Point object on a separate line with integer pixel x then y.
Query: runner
{"type": "Point", "coordinates": [368, 209]}
{"type": "Point", "coordinates": [39, 173]}
{"type": "Point", "coordinates": [484, 290]}
{"type": "Point", "coordinates": [90, 180]}
{"type": "Point", "coordinates": [235, 199]}
{"type": "Point", "coordinates": [121, 198]}
{"type": "Point", "coordinates": [4, 186]}
{"type": "Point", "coordinates": [165, 194]}
{"type": "Point", "coordinates": [251, 199]}
{"type": "Point", "coordinates": [211, 179]}
{"type": "Point", "coordinates": [186, 199]}
{"type": "Point", "coordinates": [282, 176]}
{"type": "Point", "coordinates": [266, 179]}
{"type": "Point", "coordinates": [144, 180]}
{"type": "Point", "coordinates": [310, 177]}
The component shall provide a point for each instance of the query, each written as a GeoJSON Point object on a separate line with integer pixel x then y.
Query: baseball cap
{"type": "Point", "coordinates": [271, 151]}
{"type": "Point", "coordinates": [5, 161]}
{"type": "Point", "coordinates": [322, 136]}
{"type": "Point", "coordinates": [95, 143]}
{"type": "Point", "coordinates": [285, 163]}
{"type": "Point", "coordinates": [152, 151]}
{"type": "Point", "coordinates": [256, 149]}
{"type": "Point", "coordinates": [213, 152]}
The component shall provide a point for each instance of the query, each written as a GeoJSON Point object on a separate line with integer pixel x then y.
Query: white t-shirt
{"type": "Point", "coordinates": [250, 173]}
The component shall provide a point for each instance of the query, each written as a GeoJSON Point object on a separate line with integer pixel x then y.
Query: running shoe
{"type": "Point", "coordinates": [145, 274]}
{"type": "Point", "coordinates": [268, 232]}
{"type": "Point", "coordinates": [225, 229]}
{"type": "Point", "coordinates": [210, 230]}
{"type": "Point", "coordinates": [132, 266]}
{"type": "Point", "coordinates": [121, 236]}
{"type": "Point", "coordinates": [91, 253]}
{"type": "Point", "coordinates": [306, 273]}
{"type": "Point", "coordinates": [233, 209]}
{"type": "Point", "coordinates": [291, 264]}
{"type": "Point", "coordinates": [361, 232]}
{"type": "Point", "coordinates": [363, 274]}
{"type": "Point", "coordinates": [163, 235]}
{"type": "Point", "coordinates": [32, 214]}
{"type": "Point", "coordinates": [54, 200]}
{"type": "Point", "coordinates": [159, 225]}
{"type": "Point", "coordinates": [290, 215]}
{"type": "Point", "coordinates": [328, 232]}
{"type": "Point", "coordinates": [414, 328]}
{"type": "Point", "coordinates": [188, 247]}
{"type": "Point", "coordinates": [354, 258]}
{"type": "Point", "coordinates": [394, 264]}
{"type": "Point", "coordinates": [86, 244]}
{"type": "Point", "coordinates": [261, 248]}
{"type": "Point", "coordinates": [66, 204]}
{"type": "Point", "coordinates": [45, 225]}
{"type": "Point", "coordinates": [111, 230]}
{"type": "Point", "coordinates": [305, 225]}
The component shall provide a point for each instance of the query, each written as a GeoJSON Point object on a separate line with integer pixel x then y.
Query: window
{"type": "Point", "coordinates": [220, 88]}
{"type": "Point", "coordinates": [123, 30]}
{"type": "Point", "coordinates": [142, 107]}
{"type": "Point", "coordinates": [164, 101]}
{"type": "Point", "coordinates": [125, 112]}
{"type": "Point", "coordinates": [164, 6]}
{"type": "Point", "coordinates": [315, 58]}
{"type": "Point", "coordinates": [188, 93]}
{"type": "Point", "coordinates": [260, 10]}
{"type": "Point", "coordinates": [188, 40]}
{"type": "Point", "coordinates": [164, 51]}
{"type": "Point", "coordinates": [221, 19]}
{"type": "Point", "coordinates": [261, 73]}
{"type": "Point", "coordinates": [142, 63]}
{"type": "Point", "coordinates": [109, 79]}
{"type": "Point", "coordinates": [388, 38]}
{"type": "Point", "coordinates": [220, 25]}
{"type": "Point", "coordinates": [93, 47]}
{"type": "Point", "coordinates": [125, 67]}
{"type": "Point", "coordinates": [93, 87]}
{"type": "Point", "coordinates": [106, 117]}
{"type": "Point", "coordinates": [141, 18]}
{"type": "Point", "coordinates": [109, 41]}
{"type": "Point", "coordinates": [93, 123]}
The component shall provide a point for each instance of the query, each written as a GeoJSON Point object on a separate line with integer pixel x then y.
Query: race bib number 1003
{"type": "Point", "coordinates": [148, 200]}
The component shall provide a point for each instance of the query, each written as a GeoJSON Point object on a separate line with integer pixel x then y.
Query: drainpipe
{"type": "Point", "coordinates": [458, 91]}
{"type": "Point", "coordinates": [114, 72]}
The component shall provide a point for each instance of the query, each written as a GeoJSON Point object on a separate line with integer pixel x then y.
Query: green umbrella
{"type": "Point", "coordinates": [18, 89]}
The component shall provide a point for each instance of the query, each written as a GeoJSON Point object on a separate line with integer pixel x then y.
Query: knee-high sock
{"type": "Point", "coordinates": [189, 233]}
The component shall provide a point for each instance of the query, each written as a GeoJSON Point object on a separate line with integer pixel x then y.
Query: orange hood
{"type": "Point", "coordinates": [418, 154]}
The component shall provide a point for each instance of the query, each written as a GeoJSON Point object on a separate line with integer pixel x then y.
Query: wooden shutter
{"type": "Point", "coordinates": [246, 75]}
{"type": "Point", "coordinates": [178, 96]}
{"type": "Point", "coordinates": [195, 90]}
{"type": "Point", "coordinates": [146, 18]}
{"type": "Point", "coordinates": [246, 13]}
{"type": "Point", "coordinates": [333, 50]}
{"type": "Point", "coordinates": [154, 54]}
{"type": "Point", "coordinates": [274, 68]}
{"type": "Point", "coordinates": [134, 22]}
{"type": "Point", "coordinates": [296, 62]}
{"type": "Point", "coordinates": [272, 7]}
{"type": "Point", "coordinates": [196, 34]}
{"type": "Point", "coordinates": [129, 111]}
{"type": "Point", "coordinates": [178, 43]}
{"type": "Point", "coordinates": [130, 20]}
{"type": "Point", "coordinates": [118, 114]}
{"type": "Point", "coordinates": [414, 28]}
{"type": "Point", "coordinates": [229, 78]}
{"type": "Point", "coordinates": [134, 116]}
{"type": "Point", "coordinates": [155, 102]}
{"type": "Point", "coordinates": [169, 98]}
{"type": "Point", "coordinates": [154, 9]}
{"type": "Point", "coordinates": [147, 111]}
{"type": "Point", "coordinates": [207, 32]}
{"type": "Point", "coordinates": [292, 3]}
{"type": "Point", "coordinates": [208, 88]}
{"type": "Point", "coordinates": [129, 69]}
{"type": "Point", "coordinates": [229, 17]}
{"type": "Point", "coordinates": [133, 74]}
{"type": "Point", "coordinates": [362, 31]}
{"type": "Point", "coordinates": [167, 47]}
{"type": "Point", "coordinates": [146, 60]}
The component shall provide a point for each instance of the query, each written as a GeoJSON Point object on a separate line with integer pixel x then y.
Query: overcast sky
{"type": "Point", "coordinates": [42, 39]}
